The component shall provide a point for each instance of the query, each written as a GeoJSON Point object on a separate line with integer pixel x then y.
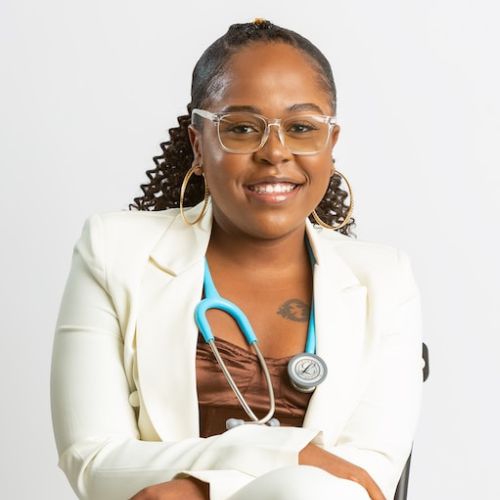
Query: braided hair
{"type": "Point", "coordinates": [165, 180]}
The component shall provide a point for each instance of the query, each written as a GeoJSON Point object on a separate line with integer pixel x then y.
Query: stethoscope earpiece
{"type": "Point", "coordinates": [234, 422]}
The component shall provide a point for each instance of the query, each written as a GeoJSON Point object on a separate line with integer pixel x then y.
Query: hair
{"type": "Point", "coordinates": [165, 180]}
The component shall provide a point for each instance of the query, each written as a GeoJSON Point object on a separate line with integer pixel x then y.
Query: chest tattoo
{"type": "Point", "coordinates": [294, 310]}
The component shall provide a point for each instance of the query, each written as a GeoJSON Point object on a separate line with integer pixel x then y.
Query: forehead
{"type": "Point", "coordinates": [271, 77]}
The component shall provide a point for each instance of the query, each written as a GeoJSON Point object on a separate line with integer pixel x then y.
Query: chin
{"type": "Point", "coordinates": [258, 222]}
{"type": "Point", "coordinates": [273, 227]}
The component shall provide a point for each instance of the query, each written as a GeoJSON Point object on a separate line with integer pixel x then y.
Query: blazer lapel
{"type": "Point", "coordinates": [340, 318]}
{"type": "Point", "coordinates": [166, 334]}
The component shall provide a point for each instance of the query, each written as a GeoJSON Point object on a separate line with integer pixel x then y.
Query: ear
{"type": "Point", "coordinates": [335, 134]}
{"type": "Point", "coordinates": [335, 137]}
{"type": "Point", "coordinates": [195, 140]}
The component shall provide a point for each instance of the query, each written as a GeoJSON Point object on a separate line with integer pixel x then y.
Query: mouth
{"type": "Point", "coordinates": [272, 192]}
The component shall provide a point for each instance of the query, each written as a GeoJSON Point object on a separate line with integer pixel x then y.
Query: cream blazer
{"type": "Point", "coordinates": [123, 383]}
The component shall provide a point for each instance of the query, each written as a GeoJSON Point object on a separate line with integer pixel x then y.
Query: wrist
{"type": "Point", "coordinates": [201, 488]}
{"type": "Point", "coordinates": [370, 486]}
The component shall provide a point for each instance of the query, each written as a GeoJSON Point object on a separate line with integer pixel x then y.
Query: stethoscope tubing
{"type": "Point", "coordinates": [213, 300]}
{"type": "Point", "coordinates": [234, 387]}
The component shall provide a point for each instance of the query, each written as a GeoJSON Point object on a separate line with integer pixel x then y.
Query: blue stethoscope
{"type": "Point", "coordinates": [306, 370]}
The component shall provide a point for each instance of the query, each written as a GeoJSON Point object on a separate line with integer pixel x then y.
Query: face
{"type": "Point", "coordinates": [270, 77]}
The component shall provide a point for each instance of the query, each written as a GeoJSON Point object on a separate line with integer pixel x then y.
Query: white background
{"type": "Point", "coordinates": [88, 91]}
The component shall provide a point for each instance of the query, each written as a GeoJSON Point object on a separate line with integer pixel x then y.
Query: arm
{"type": "Point", "coordinates": [379, 435]}
{"type": "Point", "coordinates": [98, 442]}
{"type": "Point", "coordinates": [318, 457]}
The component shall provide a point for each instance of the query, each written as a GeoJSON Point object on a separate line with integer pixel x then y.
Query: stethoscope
{"type": "Point", "coordinates": [306, 370]}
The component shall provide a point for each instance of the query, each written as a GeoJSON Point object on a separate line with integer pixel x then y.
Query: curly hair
{"type": "Point", "coordinates": [165, 180]}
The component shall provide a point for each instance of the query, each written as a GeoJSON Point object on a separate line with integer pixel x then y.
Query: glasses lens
{"type": "Point", "coordinates": [305, 133]}
{"type": "Point", "coordinates": [241, 132]}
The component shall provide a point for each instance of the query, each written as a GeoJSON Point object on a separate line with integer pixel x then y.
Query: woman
{"type": "Point", "coordinates": [141, 406]}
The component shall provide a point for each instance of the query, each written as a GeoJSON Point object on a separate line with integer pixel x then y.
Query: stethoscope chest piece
{"type": "Point", "coordinates": [306, 371]}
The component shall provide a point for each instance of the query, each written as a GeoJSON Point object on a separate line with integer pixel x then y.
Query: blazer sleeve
{"type": "Point", "coordinates": [98, 441]}
{"type": "Point", "coordinates": [379, 434]}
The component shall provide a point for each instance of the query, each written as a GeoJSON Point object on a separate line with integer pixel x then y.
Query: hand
{"type": "Point", "coordinates": [314, 455]}
{"type": "Point", "coordinates": [176, 489]}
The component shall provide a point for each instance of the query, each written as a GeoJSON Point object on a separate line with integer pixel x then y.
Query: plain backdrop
{"type": "Point", "coordinates": [90, 89]}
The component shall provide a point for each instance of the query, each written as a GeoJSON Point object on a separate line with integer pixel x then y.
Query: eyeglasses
{"type": "Point", "coordinates": [245, 132]}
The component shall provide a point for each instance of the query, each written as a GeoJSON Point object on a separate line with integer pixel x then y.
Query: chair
{"type": "Point", "coordinates": [402, 489]}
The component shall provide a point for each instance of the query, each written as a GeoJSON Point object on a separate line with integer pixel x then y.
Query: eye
{"type": "Point", "coordinates": [241, 128]}
{"type": "Point", "coordinates": [241, 124]}
{"type": "Point", "coordinates": [301, 127]}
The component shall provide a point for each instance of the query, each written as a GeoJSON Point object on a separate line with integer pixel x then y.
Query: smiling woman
{"type": "Point", "coordinates": [229, 339]}
{"type": "Point", "coordinates": [212, 80]}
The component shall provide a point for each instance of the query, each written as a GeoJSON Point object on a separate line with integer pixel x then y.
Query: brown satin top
{"type": "Point", "coordinates": [218, 402]}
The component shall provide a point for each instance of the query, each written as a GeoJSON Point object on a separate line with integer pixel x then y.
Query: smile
{"type": "Point", "coordinates": [272, 192]}
{"type": "Point", "coordinates": [277, 187]}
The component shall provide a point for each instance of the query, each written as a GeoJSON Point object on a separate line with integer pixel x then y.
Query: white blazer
{"type": "Point", "coordinates": [123, 383]}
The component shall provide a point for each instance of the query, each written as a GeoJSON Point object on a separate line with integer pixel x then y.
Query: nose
{"type": "Point", "coordinates": [273, 151]}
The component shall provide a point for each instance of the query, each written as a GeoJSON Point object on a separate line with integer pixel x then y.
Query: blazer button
{"type": "Point", "coordinates": [133, 399]}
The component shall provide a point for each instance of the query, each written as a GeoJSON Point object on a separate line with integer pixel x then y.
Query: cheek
{"type": "Point", "coordinates": [319, 173]}
{"type": "Point", "coordinates": [212, 153]}
{"type": "Point", "coordinates": [224, 176]}
{"type": "Point", "coordinates": [215, 166]}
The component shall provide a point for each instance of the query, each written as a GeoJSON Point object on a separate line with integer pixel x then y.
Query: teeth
{"type": "Point", "coordinates": [283, 187]}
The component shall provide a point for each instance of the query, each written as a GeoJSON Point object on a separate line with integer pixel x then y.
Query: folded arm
{"type": "Point", "coordinates": [95, 427]}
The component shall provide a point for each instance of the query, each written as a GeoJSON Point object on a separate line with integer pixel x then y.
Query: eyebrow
{"type": "Point", "coordinates": [304, 106]}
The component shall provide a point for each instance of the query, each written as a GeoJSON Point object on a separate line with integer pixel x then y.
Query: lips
{"type": "Point", "coordinates": [273, 191]}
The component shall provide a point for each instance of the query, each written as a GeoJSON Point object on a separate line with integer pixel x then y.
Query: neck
{"type": "Point", "coordinates": [275, 255]}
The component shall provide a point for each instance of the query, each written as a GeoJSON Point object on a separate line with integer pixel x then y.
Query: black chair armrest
{"type": "Point", "coordinates": [402, 489]}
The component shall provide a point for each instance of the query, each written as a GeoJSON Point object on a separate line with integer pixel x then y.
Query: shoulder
{"type": "Point", "coordinates": [375, 264]}
{"type": "Point", "coordinates": [121, 238]}
{"type": "Point", "coordinates": [360, 252]}
{"type": "Point", "coordinates": [121, 225]}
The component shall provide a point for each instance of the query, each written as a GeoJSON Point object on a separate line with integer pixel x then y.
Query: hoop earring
{"type": "Point", "coordinates": [183, 189]}
{"type": "Point", "coordinates": [349, 212]}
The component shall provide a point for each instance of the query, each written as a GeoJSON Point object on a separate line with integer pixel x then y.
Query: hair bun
{"type": "Point", "coordinates": [261, 22]}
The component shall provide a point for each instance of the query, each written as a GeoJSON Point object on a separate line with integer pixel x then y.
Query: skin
{"type": "Point", "coordinates": [260, 246]}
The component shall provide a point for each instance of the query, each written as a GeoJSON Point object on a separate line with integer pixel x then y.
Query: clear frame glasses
{"type": "Point", "coordinates": [246, 132]}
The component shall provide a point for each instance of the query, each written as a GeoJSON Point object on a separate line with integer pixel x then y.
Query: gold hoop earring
{"type": "Point", "coordinates": [183, 189]}
{"type": "Point", "coordinates": [349, 212]}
